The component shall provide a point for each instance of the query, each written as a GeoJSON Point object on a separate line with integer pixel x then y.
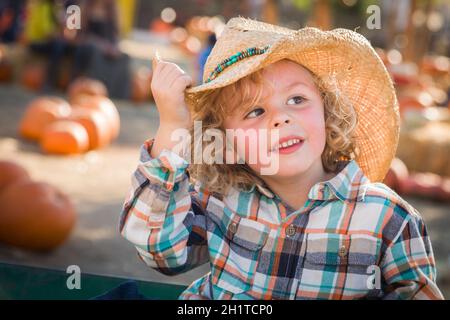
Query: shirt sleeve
{"type": "Point", "coordinates": [408, 266]}
{"type": "Point", "coordinates": [163, 215]}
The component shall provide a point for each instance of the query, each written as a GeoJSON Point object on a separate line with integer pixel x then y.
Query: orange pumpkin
{"type": "Point", "coordinates": [96, 125]}
{"type": "Point", "coordinates": [11, 172]}
{"type": "Point", "coordinates": [33, 77]}
{"type": "Point", "coordinates": [86, 86]}
{"type": "Point", "coordinates": [40, 113]}
{"type": "Point", "coordinates": [65, 137]}
{"type": "Point", "coordinates": [35, 215]}
{"type": "Point", "coordinates": [104, 105]}
{"type": "Point", "coordinates": [141, 85]}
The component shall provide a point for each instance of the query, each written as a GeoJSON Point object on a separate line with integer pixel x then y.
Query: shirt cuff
{"type": "Point", "coordinates": [167, 169]}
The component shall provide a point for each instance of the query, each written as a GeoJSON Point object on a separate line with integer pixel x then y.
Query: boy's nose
{"type": "Point", "coordinates": [279, 120]}
{"type": "Point", "coordinates": [278, 115]}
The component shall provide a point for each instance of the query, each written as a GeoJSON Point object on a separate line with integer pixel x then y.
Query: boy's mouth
{"type": "Point", "coordinates": [288, 144]}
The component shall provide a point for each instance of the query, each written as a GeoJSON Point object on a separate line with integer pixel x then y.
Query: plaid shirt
{"type": "Point", "coordinates": [349, 234]}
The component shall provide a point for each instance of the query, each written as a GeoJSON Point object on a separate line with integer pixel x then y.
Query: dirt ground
{"type": "Point", "coordinates": [98, 181]}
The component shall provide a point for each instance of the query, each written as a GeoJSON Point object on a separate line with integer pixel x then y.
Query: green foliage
{"type": "Point", "coordinates": [303, 5]}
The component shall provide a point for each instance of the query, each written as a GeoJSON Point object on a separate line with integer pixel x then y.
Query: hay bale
{"type": "Point", "coordinates": [427, 148]}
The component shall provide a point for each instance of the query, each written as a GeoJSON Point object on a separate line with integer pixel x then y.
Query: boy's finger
{"type": "Point", "coordinates": [156, 59]}
{"type": "Point", "coordinates": [157, 56]}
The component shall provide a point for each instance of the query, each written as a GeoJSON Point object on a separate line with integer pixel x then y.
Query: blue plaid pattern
{"type": "Point", "coordinates": [260, 248]}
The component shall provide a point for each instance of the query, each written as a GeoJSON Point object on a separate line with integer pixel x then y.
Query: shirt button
{"type": "Point", "coordinates": [233, 227]}
{"type": "Point", "coordinates": [290, 230]}
{"type": "Point", "coordinates": [343, 251]}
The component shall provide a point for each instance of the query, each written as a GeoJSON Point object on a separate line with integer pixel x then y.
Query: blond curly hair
{"type": "Point", "coordinates": [213, 106]}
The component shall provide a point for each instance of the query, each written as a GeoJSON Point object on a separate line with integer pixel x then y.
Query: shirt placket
{"type": "Point", "coordinates": [295, 230]}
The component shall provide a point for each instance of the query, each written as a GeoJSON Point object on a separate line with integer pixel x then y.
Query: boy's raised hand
{"type": "Point", "coordinates": [168, 84]}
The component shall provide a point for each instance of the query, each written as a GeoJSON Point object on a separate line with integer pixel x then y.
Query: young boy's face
{"type": "Point", "coordinates": [294, 106]}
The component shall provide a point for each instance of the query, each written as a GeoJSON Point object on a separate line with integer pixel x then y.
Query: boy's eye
{"type": "Point", "coordinates": [254, 113]}
{"type": "Point", "coordinates": [297, 99]}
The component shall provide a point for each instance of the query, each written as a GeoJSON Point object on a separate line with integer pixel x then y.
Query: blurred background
{"type": "Point", "coordinates": [75, 106]}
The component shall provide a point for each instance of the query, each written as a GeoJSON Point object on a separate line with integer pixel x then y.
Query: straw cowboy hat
{"type": "Point", "coordinates": [247, 45]}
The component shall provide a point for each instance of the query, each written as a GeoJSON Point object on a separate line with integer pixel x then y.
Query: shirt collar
{"type": "Point", "coordinates": [349, 184]}
{"type": "Point", "coordinates": [262, 189]}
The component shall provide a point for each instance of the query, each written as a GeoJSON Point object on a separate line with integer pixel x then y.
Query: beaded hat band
{"type": "Point", "coordinates": [235, 58]}
{"type": "Point", "coordinates": [345, 56]}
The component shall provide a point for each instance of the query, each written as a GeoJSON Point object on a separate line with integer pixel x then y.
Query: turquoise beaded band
{"type": "Point", "coordinates": [235, 58]}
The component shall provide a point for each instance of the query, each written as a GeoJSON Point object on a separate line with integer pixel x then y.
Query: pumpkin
{"type": "Point", "coordinates": [40, 113]}
{"type": "Point", "coordinates": [33, 77]}
{"type": "Point", "coordinates": [35, 215]}
{"type": "Point", "coordinates": [104, 105]}
{"type": "Point", "coordinates": [65, 137]}
{"type": "Point", "coordinates": [96, 125]}
{"type": "Point", "coordinates": [11, 172]}
{"type": "Point", "coordinates": [86, 86]}
{"type": "Point", "coordinates": [141, 85]}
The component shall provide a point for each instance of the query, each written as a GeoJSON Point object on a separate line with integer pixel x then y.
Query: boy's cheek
{"type": "Point", "coordinates": [314, 124]}
{"type": "Point", "coordinates": [315, 135]}
{"type": "Point", "coordinates": [318, 141]}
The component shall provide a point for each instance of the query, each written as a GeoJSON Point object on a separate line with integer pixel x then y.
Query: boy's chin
{"type": "Point", "coordinates": [288, 173]}
{"type": "Point", "coordinates": [286, 167]}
